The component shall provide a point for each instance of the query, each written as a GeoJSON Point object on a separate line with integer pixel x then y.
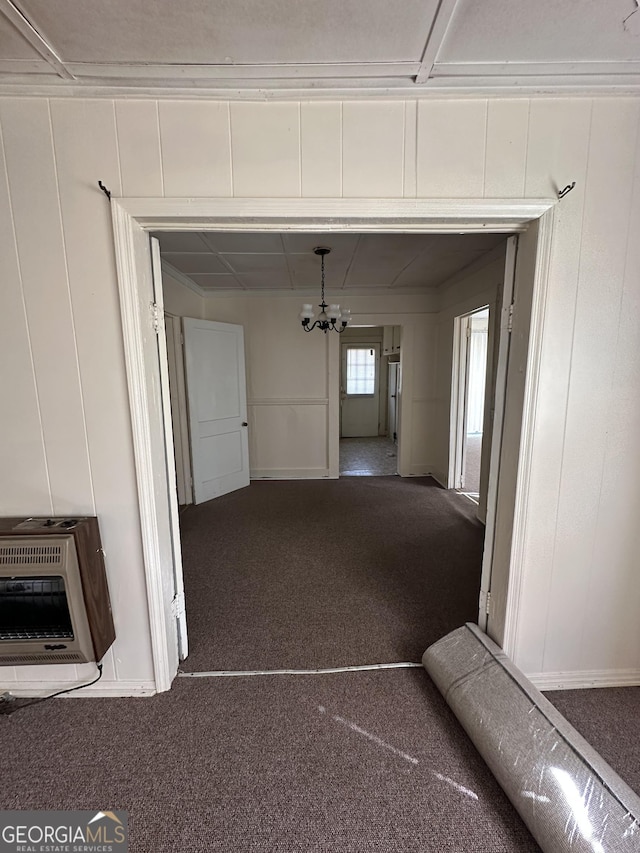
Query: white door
{"type": "Point", "coordinates": [360, 394]}
{"type": "Point", "coordinates": [178, 608]}
{"type": "Point", "coordinates": [217, 403]}
{"type": "Point", "coordinates": [502, 446]}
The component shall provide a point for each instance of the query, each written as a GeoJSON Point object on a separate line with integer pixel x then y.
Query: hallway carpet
{"type": "Point", "coordinates": [361, 762]}
{"type": "Point", "coordinates": [357, 763]}
{"type": "Point", "coordinates": [323, 573]}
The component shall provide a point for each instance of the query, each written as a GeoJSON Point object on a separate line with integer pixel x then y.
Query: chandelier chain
{"type": "Point", "coordinates": [332, 319]}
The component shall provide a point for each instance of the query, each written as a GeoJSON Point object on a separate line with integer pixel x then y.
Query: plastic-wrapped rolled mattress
{"type": "Point", "coordinates": [567, 795]}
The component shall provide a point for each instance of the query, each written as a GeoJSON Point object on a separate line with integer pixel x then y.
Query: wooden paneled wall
{"type": "Point", "coordinates": [66, 428]}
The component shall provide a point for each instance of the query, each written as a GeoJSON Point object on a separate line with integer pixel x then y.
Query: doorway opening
{"type": "Point", "coordinates": [368, 425]}
{"type": "Point", "coordinates": [133, 218]}
{"type": "Point", "coordinates": [220, 417]}
{"type": "Point", "coordinates": [471, 334]}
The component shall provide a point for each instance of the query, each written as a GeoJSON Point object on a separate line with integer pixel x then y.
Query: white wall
{"type": "Point", "coordinates": [179, 299]}
{"type": "Point", "coordinates": [293, 380]}
{"type": "Point", "coordinates": [67, 438]}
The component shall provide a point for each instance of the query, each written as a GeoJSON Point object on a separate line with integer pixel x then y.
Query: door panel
{"type": "Point", "coordinates": [360, 412]}
{"type": "Point", "coordinates": [217, 402]}
{"type": "Point", "coordinates": [177, 600]}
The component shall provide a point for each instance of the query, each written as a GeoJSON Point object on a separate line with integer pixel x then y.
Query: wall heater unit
{"type": "Point", "coordinates": [54, 599]}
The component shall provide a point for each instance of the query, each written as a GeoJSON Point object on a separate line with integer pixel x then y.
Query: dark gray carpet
{"type": "Point", "coordinates": [609, 718]}
{"type": "Point", "coordinates": [344, 763]}
{"type": "Point", "coordinates": [351, 763]}
{"type": "Point", "coordinates": [306, 574]}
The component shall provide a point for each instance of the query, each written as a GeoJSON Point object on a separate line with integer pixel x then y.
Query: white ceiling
{"type": "Point", "coordinates": [400, 263]}
{"type": "Point", "coordinates": [318, 46]}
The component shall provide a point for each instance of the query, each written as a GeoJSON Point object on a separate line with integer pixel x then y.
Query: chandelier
{"type": "Point", "coordinates": [331, 316]}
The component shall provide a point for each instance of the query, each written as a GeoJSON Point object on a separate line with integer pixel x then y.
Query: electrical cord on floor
{"type": "Point", "coordinates": [6, 706]}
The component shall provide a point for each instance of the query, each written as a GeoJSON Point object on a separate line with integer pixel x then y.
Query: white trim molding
{"type": "Point", "coordinates": [585, 679]}
{"type": "Point", "coordinates": [404, 215]}
{"type": "Point", "coordinates": [521, 508]}
{"type": "Point", "coordinates": [133, 216]}
{"type": "Point", "coordinates": [106, 689]}
{"type": "Point", "coordinates": [290, 474]}
{"type": "Point", "coordinates": [288, 401]}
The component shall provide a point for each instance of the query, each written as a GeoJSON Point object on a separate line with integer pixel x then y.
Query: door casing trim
{"type": "Point", "coordinates": [329, 215]}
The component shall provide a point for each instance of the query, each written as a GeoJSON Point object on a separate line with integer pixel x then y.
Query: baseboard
{"type": "Point", "coordinates": [588, 678]}
{"type": "Point", "coordinates": [106, 689]}
{"type": "Point", "coordinates": [426, 471]}
{"type": "Point", "coordinates": [290, 474]}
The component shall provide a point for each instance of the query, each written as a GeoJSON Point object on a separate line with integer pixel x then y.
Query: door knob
{"type": "Point", "coordinates": [244, 423]}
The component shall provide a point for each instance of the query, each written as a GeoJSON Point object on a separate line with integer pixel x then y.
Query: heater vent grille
{"type": "Point", "coordinates": [15, 660]}
{"type": "Point", "coordinates": [20, 555]}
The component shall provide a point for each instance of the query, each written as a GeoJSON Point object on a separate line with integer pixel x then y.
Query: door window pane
{"type": "Point", "coordinates": [361, 371]}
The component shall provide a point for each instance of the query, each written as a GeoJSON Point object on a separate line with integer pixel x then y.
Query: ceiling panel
{"type": "Point", "coordinates": [306, 271]}
{"type": "Point", "coordinates": [342, 245]}
{"type": "Point", "coordinates": [244, 242]}
{"type": "Point", "coordinates": [381, 257]}
{"type": "Point", "coordinates": [544, 31]}
{"type": "Point", "coordinates": [13, 45]}
{"type": "Point", "coordinates": [222, 48]}
{"type": "Point", "coordinates": [256, 263]}
{"type": "Point", "coordinates": [216, 282]}
{"type": "Point", "coordinates": [271, 261]}
{"type": "Point", "coordinates": [435, 272]}
{"type": "Point", "coordinates": [191, 262]}
{"type": "Point", "coordinates": [181, 242]}
{"type": "Point", "coordinates": [265, 281]}
{"type": "Point", "coordinates": [234, 31]}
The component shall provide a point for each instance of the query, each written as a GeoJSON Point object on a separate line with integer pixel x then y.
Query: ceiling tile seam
{"type": "Point", "coordinates": [286, 259]}
{"type": "Point", "coordinates": [37, 41]}
{"type": "Point", "coordinates": [435, 38]}
{"type": "Point", "coordinates": [347, 275]}
{"type": "Point", "coordinates": [204, 237]}
{"type": "Point", "coordinates": [407, 265]}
